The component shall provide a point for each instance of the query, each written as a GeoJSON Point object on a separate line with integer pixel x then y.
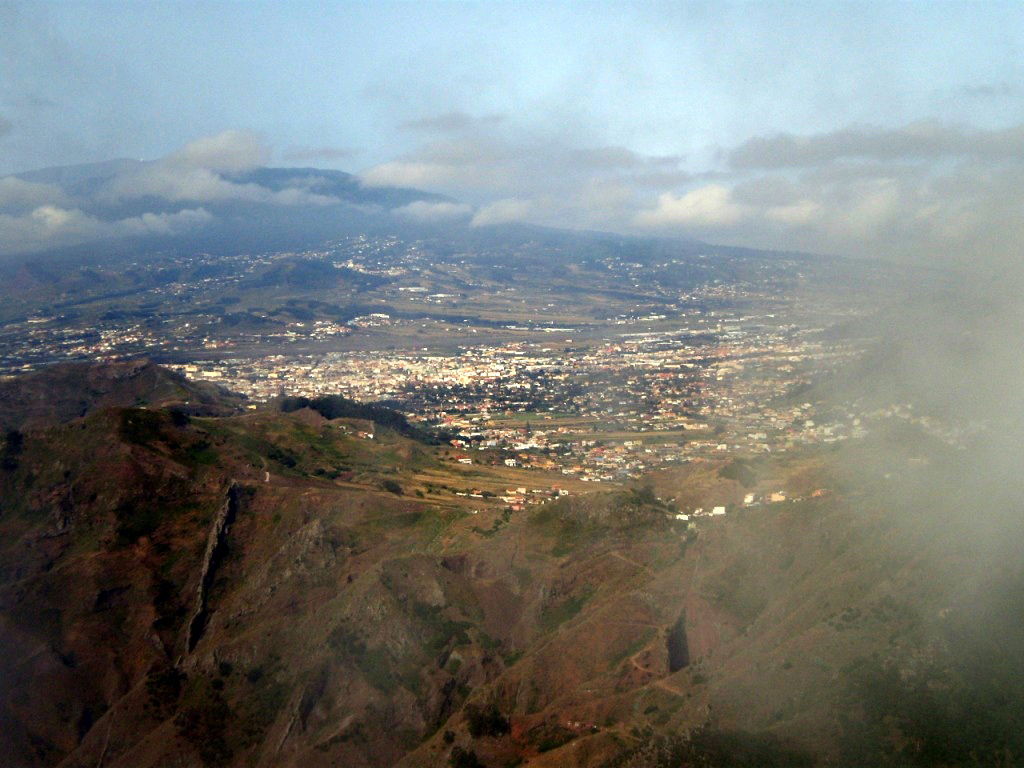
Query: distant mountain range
{"type": "Point", "coordinates": [256, 208]}
{"type": "Point", "coordinates": [86, 183]}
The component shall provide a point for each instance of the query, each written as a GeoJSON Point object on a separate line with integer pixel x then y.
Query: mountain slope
{"type": "Point", "coordinates": [60, 393]}
{"type": "Point", "coordinates": [279, 589]}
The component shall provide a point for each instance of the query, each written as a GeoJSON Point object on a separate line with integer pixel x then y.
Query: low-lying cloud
{"type": "Point", "coordinates": [927, 191]}
{"type": "Point", "coordinates": [937, 195]}
{"type": "Point", "coordinates": [201, 172]}
{"type": "Point", "coordinates": [177, 190]}
{"type": "Point", "coordinates": [510, 176]}
{"type": "Point", "coordinates": [49, 226]}
{"type": "Point", "coordinates": [231, 151]}
{"type": "Point", "coordinates": [18, 195]}
{"type": "Point", "coordinates": [427, 211]}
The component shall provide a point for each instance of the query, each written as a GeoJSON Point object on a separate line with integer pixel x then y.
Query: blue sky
{"type": "Point", "coordinates": [543, 95]}
{"type": "Point", "coordinates": [140, 79]}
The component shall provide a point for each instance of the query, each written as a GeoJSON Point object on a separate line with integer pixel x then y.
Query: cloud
{"type": "Point", "coordinates": [515, 176]}
{"type": "Point", "coordinates": [201, 171]}
{"type": "Point", "coordinates": [50, 226]}
{"type": "Point", "coordinates": [963, 213]}
{"type": "Point", "coordinates": [918, 141]}
{"type": "Point", "coordinates": [705, 207]}
{"type": "Point", "coordinates": [424, 211]}
{"type": "Point", "coordinates": [19, 195]}
{"type": "Point", "coordinates": [5, 126]}
{"type": "Point", "coordinates": [450, 122]}
{"type": "Point", "coordinates": [483, 163]}
{"type": "Point", "coordinates": [230, 151]}
{"type": "Point", "coordinates": [801, 213]}
{"type": "Point", "coordinates": [413, 173]}
{"type": "Point", "coordinates": [164, 223]}
{"type": "Point", "coordinates": [208, 171]}
{"type": "Point", "coordinates": [503, 212]}
{"type": "Point", "coordinates": [173, 182]}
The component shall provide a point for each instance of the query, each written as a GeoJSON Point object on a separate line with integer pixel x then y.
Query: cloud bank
{"type": "Point", "coordinates": [49, 226]}
{"type": "Point", "coordinates": [181, 191]}
{"type": "Point", "coordinates": [929, 191]}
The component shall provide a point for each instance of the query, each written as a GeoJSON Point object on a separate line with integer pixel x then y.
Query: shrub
{"type": "Point", "coordinates": [464, 758]}
{"type": "Point", "coordinates": [486, 721]}
{"type": "Point", "coordinates": [203, 720]}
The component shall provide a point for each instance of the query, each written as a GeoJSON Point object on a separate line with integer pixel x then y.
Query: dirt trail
{"type": "Point", "coordinates": [631, 561]}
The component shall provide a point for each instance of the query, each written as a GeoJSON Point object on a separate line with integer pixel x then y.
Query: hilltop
{"type": "Point", "coordinates": [265, 588]}
{"type": "Point", "coordinates": [63, 392]}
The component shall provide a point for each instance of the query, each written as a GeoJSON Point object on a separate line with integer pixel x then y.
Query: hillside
{"type": "Point", "coordinates": [267, 588]}
{"type": "Point", "coordinates": [61, 393]}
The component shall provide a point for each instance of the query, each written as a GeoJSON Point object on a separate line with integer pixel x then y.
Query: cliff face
{"type": "Point", "coordinates": [162, 603]}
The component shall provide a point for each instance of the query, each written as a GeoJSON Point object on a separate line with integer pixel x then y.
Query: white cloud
{"type": "Point", "coordinates": [50, 226]}
{"type": "Point", "coordinates": [164, 223]}
{"type": "Point", "coordinates": [799, 214]}
{"type": "Point", "coordinates": [704, 207]}
{"type": "Point", "coordinates": [194, 174]}
{"type": "Point", "coordinates": [230, 151]}
{"type": "Point", "coordinates": [18, 194]}
{"type": "Point", "coordinates": [503, 212]}
{"type": "Point", "coordinates": [422, 210]}
{"type": "Point", "coordinates": [483, 165]}
{"type": "Point", "coordinates": [402, 173]}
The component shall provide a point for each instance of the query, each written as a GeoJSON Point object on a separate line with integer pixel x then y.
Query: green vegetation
{"type": "Point", "coordinates": [633, 648]}
{"type": "Point", "coordinates": [338, 407]}
{"type": "Point", "coordinates": [552, 616]}
{"type": "Point", "coordinates": [955, 712]}
{"type": "Point", "coordinates": [485, 721]}
{"type": "Point", "coordinates": [739, 470]}
{"type": "Point", "coordinates": [135, 520]}
{"type": "Point", "coordinates": [464, 758]}
{"type": "Point", "coordinates": [200, 453]}
{"type": "Point", "coordinates": [140, 426]}
{"type": "Point", "coordinates": [263, 699]}
{"type": "Point", "coordinates": [203, 720]}
{"type": "Point", "coordinates": [551, 735]}
{"type": "Point", "coordinates": [14, 442]}
{"type": "Point", "coordinates": [439, 629]}
{"type": "Point", "coordinates": [373, 662]}
{"type": "Point", "coordinates": [163, 687]}
{"type": "Point", "coordinates": [283, 457]}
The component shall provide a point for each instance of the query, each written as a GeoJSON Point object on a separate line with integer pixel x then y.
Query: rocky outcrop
{"type": "Point", "coordinates": [215, 549]}
{"type": "Point", "coordinates": [678, 649]}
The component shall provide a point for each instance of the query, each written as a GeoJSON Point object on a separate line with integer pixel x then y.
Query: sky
{"type": "Point", "coordinates": [889, 130]}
